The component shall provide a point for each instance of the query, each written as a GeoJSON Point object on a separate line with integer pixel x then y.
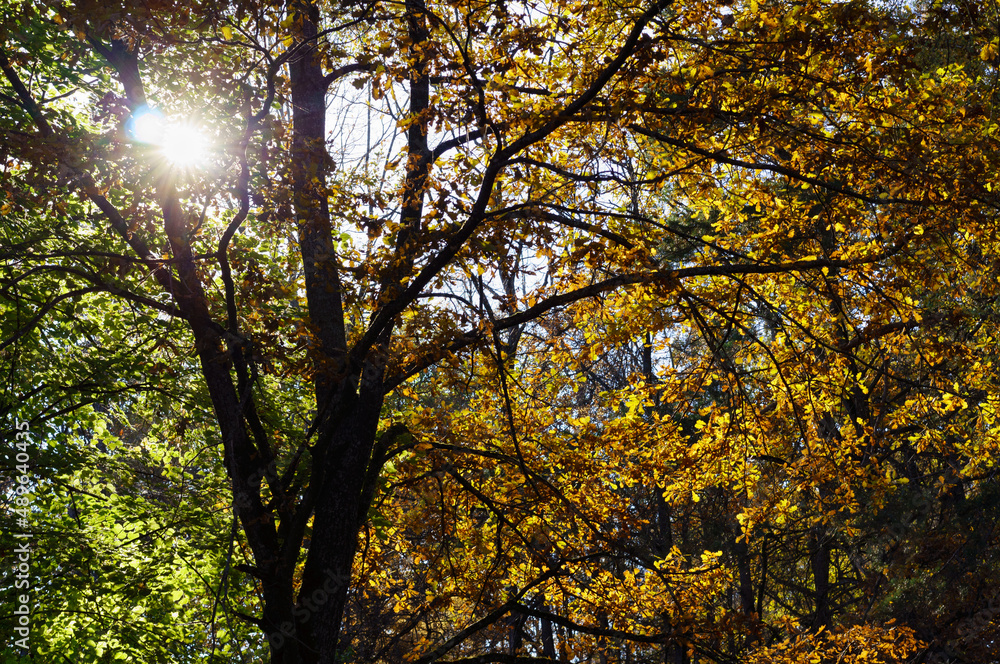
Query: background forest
{"type": "Point", "coordinates": [473, 331]}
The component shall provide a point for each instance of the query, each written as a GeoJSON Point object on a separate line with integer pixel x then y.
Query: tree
{"type": "Point", "coordinates": [407, 368]}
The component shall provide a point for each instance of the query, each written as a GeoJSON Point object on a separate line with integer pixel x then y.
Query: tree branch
{"type": "Point", "coordinates": [385, 315]}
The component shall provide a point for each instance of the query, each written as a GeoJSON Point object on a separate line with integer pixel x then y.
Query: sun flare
{"type": "Point", "coordinates": [179, 143]}
{"type": "Point", "coordinates": [184, 145]}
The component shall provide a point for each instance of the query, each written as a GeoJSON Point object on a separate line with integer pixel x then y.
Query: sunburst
{"type": "Point", "coordinates": [180, 143]}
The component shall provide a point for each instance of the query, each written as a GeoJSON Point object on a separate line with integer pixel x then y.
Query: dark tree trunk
{"type": "Point", "coordinates": [349, 388]}
{"type": "Point", "coordinates": [820, 545]}
{"type": "Point", "coordinates": [741, 551]}
{"type": "Point", "coordinates": [346, 412]}
{"type": "Point", "coordinates": [548, 640]}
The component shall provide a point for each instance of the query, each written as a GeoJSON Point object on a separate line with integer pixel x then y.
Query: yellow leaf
{"type": "Point", "coordinates": [227, 32]}
{"type": "Point", "coordinates": [988, 52]}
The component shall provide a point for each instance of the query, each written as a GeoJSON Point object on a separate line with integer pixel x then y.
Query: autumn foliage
{"type": "Point", "coordinates": [504, 332]}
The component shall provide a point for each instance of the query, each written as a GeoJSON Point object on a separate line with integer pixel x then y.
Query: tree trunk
{"type": "Point", "coordinates": [820, 545]}
{"type": "Point", "coordinates": [548, 641]}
